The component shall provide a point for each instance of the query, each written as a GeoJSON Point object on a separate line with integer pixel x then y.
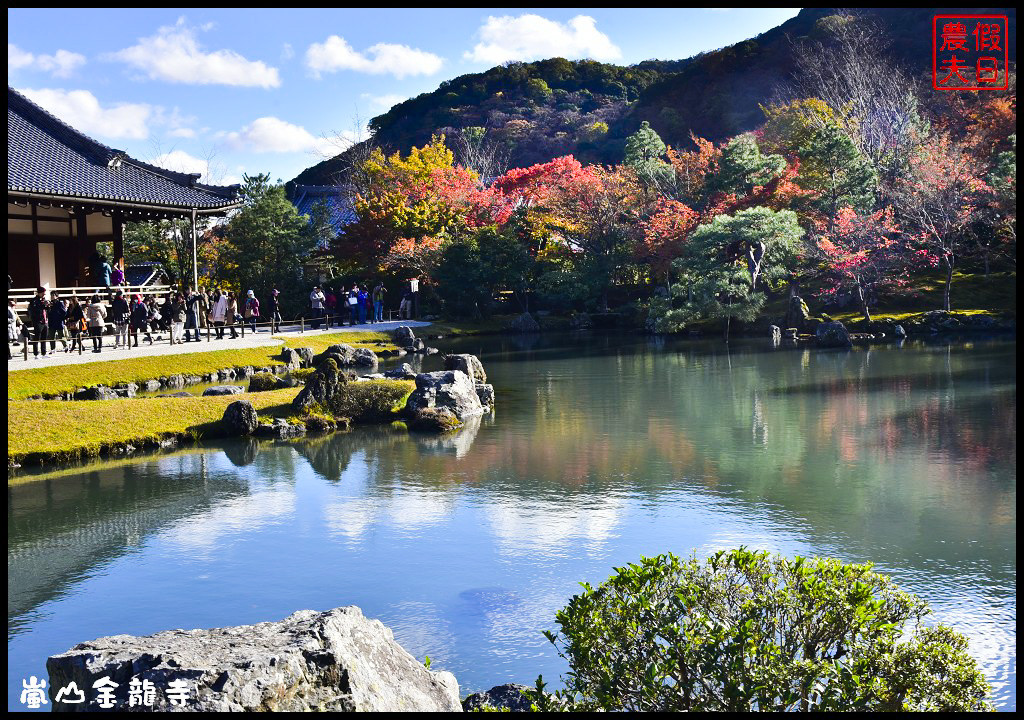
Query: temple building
{"type": "Point", "coordinates": [66, 193]}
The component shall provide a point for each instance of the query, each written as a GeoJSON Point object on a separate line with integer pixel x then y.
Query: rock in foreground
{"type": "Point", "coordinates": [509, 696]}
{"type": "Point", "coordinates": [449, 389]}
{"type": "Point", "coordinates": [337, 660]}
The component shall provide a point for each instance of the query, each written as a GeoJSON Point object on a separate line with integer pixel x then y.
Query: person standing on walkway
{"type": "Point", "coordinates": [316, 302]}
{"type": "Point", "coordinates": [120, 314]}
{"type": "Point", "coordinates": [274, 310]}
{"type": "Point", "coordinates": [13, 323]}
{"type": "Point", "coordinates": [37, 309]}
{"type": "Point", "coordinates": [179, 314]}
{"type": "Point", "coordinates": [137, 317]}
{"type": "Point", "coordinates": [77, 327]}
{"type": "Point", "coordinates": [378, 301]}
{"type": "Point", "coordinates": [55, 317]}
{"type": "Point", "coordinates": [231, 313]}
{"type": "Point", "coordinates": [192, 310]}
{"type": "Point", "coordinates": [96, 316]}
{"type": "Point", "coordinates": [252, 309]}
{"type": "Point", "coordinates": [330, 306]}
{"type": "Point", "coordinates": [220, 312]}
{"type": "Point", "coordinates": [204, 307]}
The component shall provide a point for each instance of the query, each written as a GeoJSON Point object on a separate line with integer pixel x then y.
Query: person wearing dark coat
{"type": "Point", "coordinates": [37, 309]}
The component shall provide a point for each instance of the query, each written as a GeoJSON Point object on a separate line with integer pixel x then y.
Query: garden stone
{"type": "Point", "coordinates": [223, 390]}
{"type": "Point", "coordinates": [281, 429]}
{"type": "Point", "coordinates": [175, 381]}
{"type": "Point", "coordinates": [181, 393]}
{"type": "Point", "coordinates": [501, 697]}
{"type": "Point", "coordinates": [403, 336]}
{"type": "Point", "coordinates": [306, 353]}
{"type": "Point", "coordinates": [469, 364]}
{"type": "Point", "coordinates": [364, 357]}
{"type": "Point", "coordinates": [240, 418]}
{"type": "Point", "coordinates": [341, 354]}
{"type": "Point", "coordinates": [151, 385]}
{"type": "Point", "coordinates": [337, 660]}
{"type": "Point", "coordinates": [402, 372]}
{"type": "Point", "coordinates": [321, 387]}
{"type": "Point", "coordinates": [98, 392]}
{"type": "Point", "coordinates": [291, 358]}
{"type": "Point", "coordinates": [432, 420]}
{"type": "Point", "coordinates": [797, 314]}
{"type": "Point", "coordinates": [486, 394]}
{"type": "Point", "coordinates": [833, 334]}
{"type": "Point", "coordinates": [524, 324]}
{"type": "Point", "coordinates": [451, 389]}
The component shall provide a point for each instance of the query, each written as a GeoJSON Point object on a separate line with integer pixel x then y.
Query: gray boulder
{"type": "Point", "coordinates": [451, 389]}
{"type": "Point", "coordinates": [280, 429]}
{"type": "Point", "coordinates": [797, 314]}
{"type": "Point", "coordinates": [174, 381]}
{"type": "Point", "coordinates": [306, 353]}
{"type": "Point", "coordinates": [509, 696]}
{"type": "Point", "coordinates": [240, 418]}
{"type": "Point", "coordinates": [180, 393]}
{"type": "Point", "coordinates": [322, 387]}
{"type": "Point", "coordinates": [403, 336]}
{"type": "Point", "coordinates": [291, 358]}
{"type": "Point", "coordinates": [486, 394]}
{"type": "Point", "coordinates": [226, 374]}
{"type": "Point", "coordinates": [337, 660]}
{"type": "Point", "coordinates": [469, 364]}
{"type": "Point", "coordinates": [402, 372]}
{"type": "Point", "coordinates": [341, 354]}
{"type": "Point", "coordinates": [96, 392]}
{"type": "Point", "coordinates": [223, 390]}
{"type": "Point", "coordinates": [833, 334]}
{"type": "Point", "coordinates": [524, 324]}
{"type": "Point", "coordinates": [151, 385]}
{"type": "Point", "coordinates": [364, 357]}
{"type": "Point", "coordinates": [432, 420]}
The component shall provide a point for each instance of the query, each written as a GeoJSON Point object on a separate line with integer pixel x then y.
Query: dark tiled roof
{"type": "Point", "coordinates": [48, 157]}
{"type": "Point", "coordinates": [341, 213]}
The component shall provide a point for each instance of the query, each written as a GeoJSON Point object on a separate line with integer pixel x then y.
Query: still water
{"type": "Point", "coordinates": [601, 450]}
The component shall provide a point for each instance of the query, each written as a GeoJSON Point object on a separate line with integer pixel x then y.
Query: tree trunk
{"type": "Point", "coordinates": [863, 302]}
{"type": "Point", "coordinates": [725, 335]}
{"type": "Point", "coordinates": [949, 282]}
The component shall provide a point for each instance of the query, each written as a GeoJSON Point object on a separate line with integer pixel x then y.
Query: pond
{"type": "Point", "coordinates": [601, 449]}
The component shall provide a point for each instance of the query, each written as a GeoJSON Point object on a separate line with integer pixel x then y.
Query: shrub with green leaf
{"type": "Point", "coordinates": [748, 631]}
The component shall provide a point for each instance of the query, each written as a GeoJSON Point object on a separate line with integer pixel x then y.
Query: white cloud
{"type": "Point", "coordinates": [81, 110]}
{"type": "Point", "coordinates": [181, 161]}
{"type": "Point", "coordinates": [383, 58]}
{"type": "Point", "coordinates": [61, 64]}
{"type": "Point", "coordinates": [273, 135]}
{"type": "Point", "coordinates": [532, 37]}
{"type": "Point", "coordinates": [182, 132]}
{"type": "Point", "coordinates": [174, 55]}
{"type": "Point", "coordinates": [18, 58]}
{"type": "Point", "coordinates": [384, 102]}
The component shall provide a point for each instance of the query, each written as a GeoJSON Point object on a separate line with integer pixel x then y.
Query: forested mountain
{"type": "Point", "coordinates": [533, 112]}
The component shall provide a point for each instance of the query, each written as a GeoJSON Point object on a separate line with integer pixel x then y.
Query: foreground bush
{"type": "Point", "coordinates": [749, 631]}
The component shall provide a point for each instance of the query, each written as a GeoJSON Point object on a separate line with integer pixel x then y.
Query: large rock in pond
{"type": "Point", "coordinates": [337, 660]}
{"type": "Point", "coordinates": [240, 418]}
{"type": "Point", "coordinates": [96, 392]}
{"type": "Point", "coordinates": [524, 324]}
{"type": "Point", "coordinates": [797, 314]}
{"type": "Point", "coordinates": [402, 372]}
{"type": "Point", "coordinates": [469, 364]}
{"type": "Point", "coordinates": [321, 387]}
{"type": "Point", "coordinates": [403, 336]}
{"type": "Point", "coordinates": [486, 394]}
{"type": "Point", "coordinates": [223, 390]}
{"type": "Point", "coordinates": [510, 696]}
{"type": "Point", "coordinates": [364, 357]}
{"type": "Point", "coordinates": [281, 429]}
{"type": "Point", "coordinates": [451, 389]}
{"type": "Point", "coordinates": [306, 353]}
{"type": "Point", "coordinates": [833, 334]}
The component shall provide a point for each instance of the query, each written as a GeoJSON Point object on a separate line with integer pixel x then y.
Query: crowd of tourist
{"type": "Point", "coordinates": [180, 315]}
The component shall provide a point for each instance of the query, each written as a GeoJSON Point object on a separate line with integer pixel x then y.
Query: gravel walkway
{"type": "Point", "coordinates": [260, 339]}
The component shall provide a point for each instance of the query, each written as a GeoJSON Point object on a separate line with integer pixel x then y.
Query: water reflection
{"type": "Point", "coordinates": [601, 450]}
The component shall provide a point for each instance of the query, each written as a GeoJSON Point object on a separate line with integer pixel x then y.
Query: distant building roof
{"type": "Point", "coordinates": [48, 158]}
{"type": "Point", "coordinates": [340, 211]}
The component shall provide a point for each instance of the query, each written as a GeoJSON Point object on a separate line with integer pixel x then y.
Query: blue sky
{"type": "Point", "coordinates": [227, 92]}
